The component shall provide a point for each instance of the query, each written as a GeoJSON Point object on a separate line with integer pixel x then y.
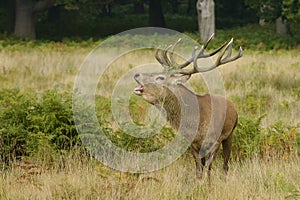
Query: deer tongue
{"type": "Point", "coordinates": [139, 89]}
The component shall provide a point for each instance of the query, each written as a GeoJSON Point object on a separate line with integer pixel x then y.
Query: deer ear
{"type": "Point", "coordinates": [182, 79]}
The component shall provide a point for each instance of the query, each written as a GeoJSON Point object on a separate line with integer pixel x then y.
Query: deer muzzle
{"type": "Point", "coordinates": [139, 89]}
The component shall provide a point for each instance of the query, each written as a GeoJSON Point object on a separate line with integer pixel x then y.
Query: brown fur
{"type": "Point", "coordinates": [215, 123]}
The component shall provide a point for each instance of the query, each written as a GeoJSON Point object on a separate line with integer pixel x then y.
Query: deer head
{"type": "Point", "coordinates": [154, 87]}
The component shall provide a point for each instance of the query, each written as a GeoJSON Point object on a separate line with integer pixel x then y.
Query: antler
{"type": "Point", "coordinates": [168, 62]}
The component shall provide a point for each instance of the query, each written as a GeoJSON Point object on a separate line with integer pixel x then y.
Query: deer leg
{"type": "Point", "coordinates": [203, 162]}
{"type": "Point", "coordinates": [211, 157]}
{"type": "Point", "coordinates": [226, 152]}
{"type": "Point", "coordinates": [212, 153]}
{"type": "Point", "coordinates": [199, 163]}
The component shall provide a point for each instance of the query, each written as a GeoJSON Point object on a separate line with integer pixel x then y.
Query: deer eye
{"type": "Point", "coordinates": [160, 78]}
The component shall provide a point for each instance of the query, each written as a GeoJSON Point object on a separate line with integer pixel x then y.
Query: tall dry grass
{"type": "Point", "coordinates": [251, 179]}
{"type": "Point", "coordinates": [273, 76]}
{"type": "Point", "coordinates": [40, 69]}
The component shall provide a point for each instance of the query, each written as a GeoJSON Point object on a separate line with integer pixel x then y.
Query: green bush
{"type": "Point", "coordinates": [275, 141]}
{"type": "Point", "coordinates": [280, 141]}
{"type": "Point", "coordinates": [122, 136]}
{"type": "Point", "coordinates": [247, 138]}
{"type": "Point", "coordinates": [29, 125]}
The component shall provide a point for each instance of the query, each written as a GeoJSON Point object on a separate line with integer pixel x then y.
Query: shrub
{"type": "Point", "coordinates": [280, 141]}
{"type": "Point", "coordinates": [247, 138]}
{"type": "Point", "coordinates": [29, 125]}
{"type": "Point", "coordinates": [275, 141]}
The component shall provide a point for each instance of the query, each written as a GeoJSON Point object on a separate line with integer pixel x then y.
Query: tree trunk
{"type": "Point", "coordinates": [206, 18]}
{"type": "Point", "coordinates": [9, 14]}
{"type": "Point", "coordinates": [281, 27]}
{"type": "Point", "coordinates": [174, 4]}
{"type": "Point", "coordinates": [189, 7]}
{"type": "Point", "coordinates": [156, 15]}
{"type": "Point", "coordinates": [25, 23]}
{"type": "Point", "coordinates": [138, 7]}
{"type": "Point", "coordinates": [54, 14]}
{"type": "Point", "coordinates": [25, 16]}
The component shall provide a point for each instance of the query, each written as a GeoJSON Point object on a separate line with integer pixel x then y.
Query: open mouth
{"type": "Point", "coordinates": [139, 90]}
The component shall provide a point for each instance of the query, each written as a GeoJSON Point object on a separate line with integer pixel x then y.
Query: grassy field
{"type": "Point", "coordinates": [82, 179]}
{"type": "Point", "coordinates": [261, 84]}
{"type": "Point", "coordinates": [271, 78]}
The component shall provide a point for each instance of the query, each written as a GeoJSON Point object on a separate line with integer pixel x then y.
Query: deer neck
{"type": "Point", "coordinates": [172, 104]}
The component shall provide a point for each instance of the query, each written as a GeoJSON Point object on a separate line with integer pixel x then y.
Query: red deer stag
{"type": "Point", "coordinates": [213, 123]}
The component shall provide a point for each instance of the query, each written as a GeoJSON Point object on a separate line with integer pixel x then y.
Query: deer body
{"type": "Point", "coordinates": [217, 116]}
{"type": "Point", "coordinates": [160, 95]}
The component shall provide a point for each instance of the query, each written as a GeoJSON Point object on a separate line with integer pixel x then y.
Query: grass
{"type": "Point", "coordinates": [262, 84]}
{"type": "Point", "coordinates": [83, 179]}
{"type": "Point", "coordinates": [272, 80]}
{"type": "Point", "coordinates": [39, 69]}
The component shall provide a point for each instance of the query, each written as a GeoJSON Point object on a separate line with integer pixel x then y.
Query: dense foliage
{"type": "Point", "coordinates": [264, 38]}
{"type": "Point", "coordinates": [35, 125]}
{"type": "Point", "coordinates": [272, 9]}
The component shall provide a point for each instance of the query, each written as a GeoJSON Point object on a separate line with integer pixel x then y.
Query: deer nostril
{"type": "Point", "coordinates": [136, 75]}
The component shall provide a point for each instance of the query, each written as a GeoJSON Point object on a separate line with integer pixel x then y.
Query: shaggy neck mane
{"type": "Point", "coordinates": [171, 104]}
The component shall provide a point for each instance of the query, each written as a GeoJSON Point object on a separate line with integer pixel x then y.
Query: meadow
{"type": "Point", "coordinates": [43, 158]}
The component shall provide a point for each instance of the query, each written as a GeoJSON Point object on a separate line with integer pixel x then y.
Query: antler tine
{"type": "Point", "coordinates": [172, 52]}
{"type": "Point", "coordinates": [203, 47]}
{"type": "Point", "coordinates": [201, 54]}
{"type": "Point", "coordinates": [169, 60]}
{"type": "Point", "coordinates": [229, 49]}
{"type": "Point", "coordinates": [189, 61]}
{"type": "Point", "coordinates": [209, 39]}
{"type": "Point", "coordinates": [188, 71]}
{"type": "Point", "coordinates": [160, 60]}
{"type": "Point", "coordinates": [164, 54]}
{"type": "Point", "coordinates": [219, 60]}
{"type": "Point", "coordinates": [163, 58]}
{"type": "Point", "coordinates": [174, 63]}
{"type": "Point", "coordinates": [216, 51]}
{"type": "Point", "coordinates": [228, 57]}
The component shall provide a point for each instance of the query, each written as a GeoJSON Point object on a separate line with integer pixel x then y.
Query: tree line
{"type": "Point", "coordinates": [58, 18]}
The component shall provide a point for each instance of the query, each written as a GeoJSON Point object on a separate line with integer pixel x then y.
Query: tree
{"type": "Point", "coordinates": [138, 7]}
{"type": "Point", "coordinates": [26, 11]}
{"type": "Point", "coordinates": [281, 11]}
{"type": "Point", "coordinates": [230, 13]}
{"type": "Point", "coordinates": [7, 12]}
{"type": "Point", "coordinates": [206, 18]}
{"type": "Point", "coordinates": [156, 15]}
{"type": "Point", "coordinates": [291, 10]}
{"type": "Point", "coordinates": [174, 5]}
